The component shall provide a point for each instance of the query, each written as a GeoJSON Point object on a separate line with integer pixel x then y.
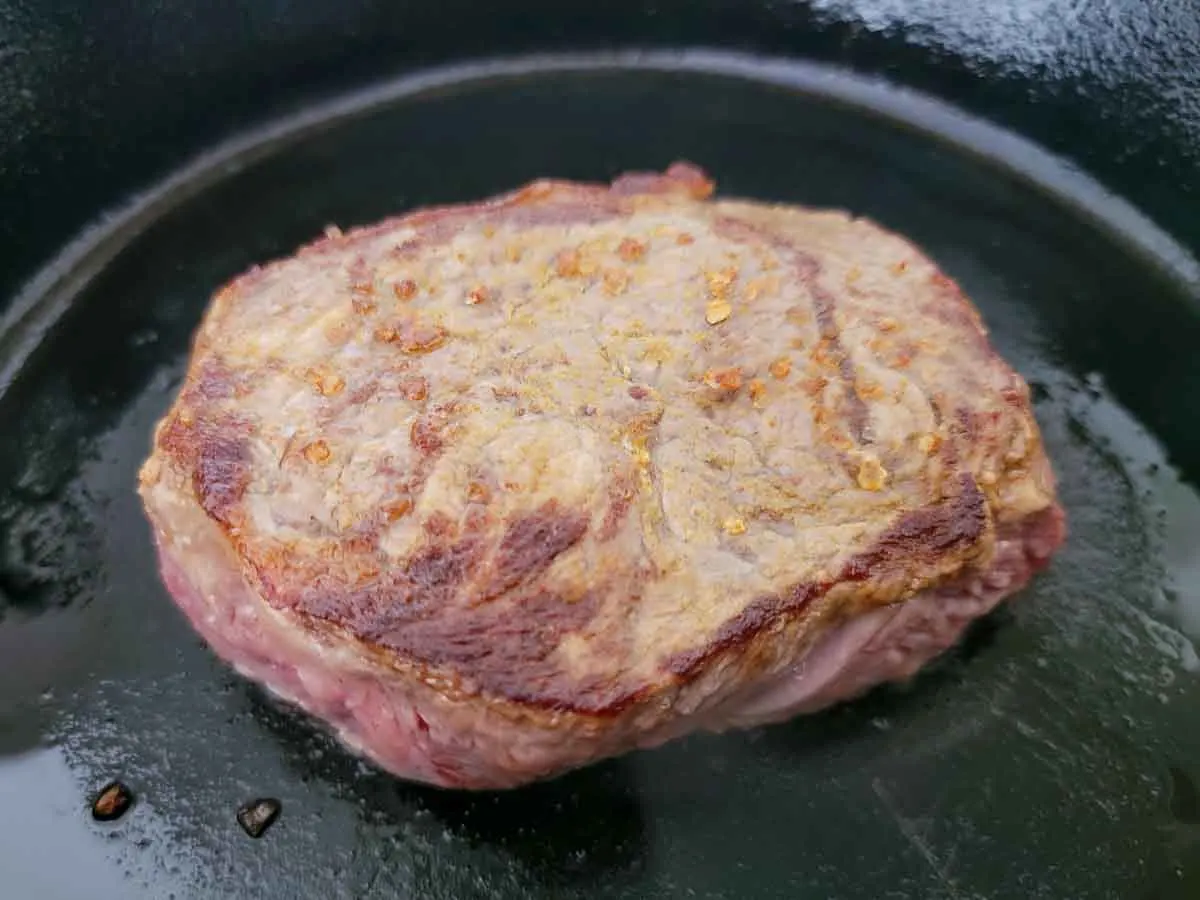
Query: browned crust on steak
{"type": "Point", "coordinates": [945, 534]}
{"type": "Point", "coordinates": [449, 556]}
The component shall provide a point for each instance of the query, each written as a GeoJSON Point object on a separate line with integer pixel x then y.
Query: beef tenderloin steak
{"type": "Point", "coordinates": [498, 490]}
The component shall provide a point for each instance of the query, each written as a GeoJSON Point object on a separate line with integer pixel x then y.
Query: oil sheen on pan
{"type": "Point", "coordinates": [502, 489]}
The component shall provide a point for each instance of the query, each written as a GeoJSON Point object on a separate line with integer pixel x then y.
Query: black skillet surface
{"type": "Point", "coordinates": [1054, 755]}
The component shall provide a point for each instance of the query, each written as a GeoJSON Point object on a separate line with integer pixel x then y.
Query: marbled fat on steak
{"type": "Point", "coordinates": [498, 490]}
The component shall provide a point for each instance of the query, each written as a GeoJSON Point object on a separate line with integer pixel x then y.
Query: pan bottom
{"type": "Point", "coordinates": [1050, 756]}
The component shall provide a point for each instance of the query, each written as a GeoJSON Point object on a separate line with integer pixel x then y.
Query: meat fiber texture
{"type": "Point", "coordinates": [499, 490]}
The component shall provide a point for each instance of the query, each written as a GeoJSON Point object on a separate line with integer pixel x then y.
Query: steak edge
{"type": "Point", "coordinates": [501, 489]}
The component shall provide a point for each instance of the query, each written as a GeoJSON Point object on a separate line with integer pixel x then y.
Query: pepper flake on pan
{"type": "Point", "coordinates": [113, 801]}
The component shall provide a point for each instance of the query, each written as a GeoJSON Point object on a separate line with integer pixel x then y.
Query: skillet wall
{"type": "Point", "coordinates": [101, 97]}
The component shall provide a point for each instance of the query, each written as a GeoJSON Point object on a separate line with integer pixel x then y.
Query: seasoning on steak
{"type": "Point", "coordinates": [502, 489]}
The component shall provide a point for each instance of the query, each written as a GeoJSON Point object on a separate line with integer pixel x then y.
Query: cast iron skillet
{"type": "Point", "coordinates": [1054, 754]}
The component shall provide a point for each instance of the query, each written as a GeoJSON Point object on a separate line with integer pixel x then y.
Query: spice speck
{"type": "Point", "coordinates": [717, 312]}
{"type": "Point", "coordinates": [112, 802]}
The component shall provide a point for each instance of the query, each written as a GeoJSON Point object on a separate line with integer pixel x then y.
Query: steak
{"type": "Point", "coordinates": [502, 489]}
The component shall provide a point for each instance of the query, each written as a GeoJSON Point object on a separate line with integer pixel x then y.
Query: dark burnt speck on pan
{"type": "Point", "coordinates": [258, 815]}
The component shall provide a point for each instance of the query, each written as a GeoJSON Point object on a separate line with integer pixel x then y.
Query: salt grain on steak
{"type": "Point", "coordinates": [502, 489]}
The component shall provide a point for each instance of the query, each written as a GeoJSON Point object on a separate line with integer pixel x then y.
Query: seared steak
{"type": "Point", "coordinates": [498, 490]}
